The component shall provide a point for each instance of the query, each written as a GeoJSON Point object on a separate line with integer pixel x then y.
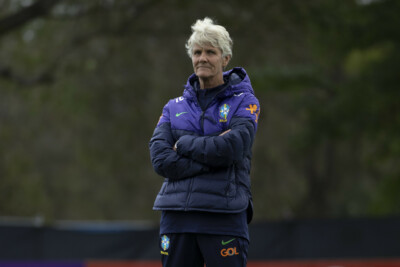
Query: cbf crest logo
{"type": "Point", "coordinates": [223, 112]}
{"type": "Point", "coordinates": [165, 242]}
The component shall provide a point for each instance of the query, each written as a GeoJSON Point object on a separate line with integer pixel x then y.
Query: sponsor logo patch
{"type": "Point", "coordinates": [253, 110]}
{"type": "Point", "coordinates": [178, 114]}
{"type": "Point", "coordinates": [228, 252]}
{"type": "Point", "coordinates": [227, 242]}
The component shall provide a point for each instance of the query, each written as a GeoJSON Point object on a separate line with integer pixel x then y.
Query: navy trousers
{"type": "Point", "coordinates": [195, 250]}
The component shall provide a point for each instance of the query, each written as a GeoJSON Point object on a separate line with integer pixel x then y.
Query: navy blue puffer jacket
{"type": "Point", "coordinates": [207, 172]}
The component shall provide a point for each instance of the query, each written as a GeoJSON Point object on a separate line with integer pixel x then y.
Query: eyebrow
{"type": "Point", "coordinates": [206, 49]}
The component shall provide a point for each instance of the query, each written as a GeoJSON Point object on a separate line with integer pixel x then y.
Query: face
{"type": "Point", "coordinates": [208, 64]}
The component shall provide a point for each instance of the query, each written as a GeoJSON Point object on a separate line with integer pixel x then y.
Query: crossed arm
{"type": "Point", "coordinates": [198, 154]}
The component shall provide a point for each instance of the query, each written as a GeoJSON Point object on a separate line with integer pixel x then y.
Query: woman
{"type": "Point", "coordinates": [202, 147]}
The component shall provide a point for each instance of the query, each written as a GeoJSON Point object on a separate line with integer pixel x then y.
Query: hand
{"type": "Point", "coordinates": [227, 131]}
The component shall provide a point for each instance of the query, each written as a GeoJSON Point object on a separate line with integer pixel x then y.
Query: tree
{"type": "Point", "coordinates": [82, 85]}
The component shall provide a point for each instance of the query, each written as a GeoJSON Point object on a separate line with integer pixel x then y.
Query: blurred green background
{"type": "Point", "coordinates": [83, 83]}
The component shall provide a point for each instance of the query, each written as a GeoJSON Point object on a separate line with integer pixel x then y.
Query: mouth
{"type": "Point", "coordinates": [202, 67]}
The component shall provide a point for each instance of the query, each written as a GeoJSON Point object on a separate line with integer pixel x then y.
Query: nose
{"type": "Point", "coordinates": [203, 57]}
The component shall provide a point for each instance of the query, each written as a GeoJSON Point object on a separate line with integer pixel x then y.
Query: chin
{"type": "Point", "coordinates": [203, 74]}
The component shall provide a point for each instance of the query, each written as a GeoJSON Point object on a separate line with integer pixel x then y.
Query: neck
{"type": "Point", "coordinates": [207, 83]}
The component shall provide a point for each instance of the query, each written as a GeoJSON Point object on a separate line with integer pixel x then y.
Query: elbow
{"type": "Point", "coordinates": [158, 164]}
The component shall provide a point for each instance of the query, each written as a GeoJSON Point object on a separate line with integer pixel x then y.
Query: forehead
{"type": "Point", "coordinates": [205, 47]}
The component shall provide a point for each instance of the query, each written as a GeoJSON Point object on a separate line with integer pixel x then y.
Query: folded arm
{"type": "Point", "coordinates": [222, 150]}
{"type": "Point", "coordinates": [166, 162]}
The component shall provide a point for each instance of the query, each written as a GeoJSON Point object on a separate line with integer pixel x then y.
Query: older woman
{"type": "Point", "coordinates": [202, 147]}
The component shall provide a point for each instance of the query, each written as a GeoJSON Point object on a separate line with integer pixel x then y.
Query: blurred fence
{"type": "Point", "coordinates": [316, 243]}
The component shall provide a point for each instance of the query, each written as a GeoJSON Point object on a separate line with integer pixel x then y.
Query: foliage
{"type": "Point", "coordinates": [82, 85]}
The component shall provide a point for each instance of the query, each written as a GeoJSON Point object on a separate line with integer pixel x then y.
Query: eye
{"type": "Point", "coordinates": [196, 52]}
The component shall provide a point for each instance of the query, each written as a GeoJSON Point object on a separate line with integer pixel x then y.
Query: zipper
{"type": "Point", "coordinates": [203, 111]}
{"type": "Point", "coordinates": [202, 117]}
{"type": "Point", "coordinates": [189, 194]}
{"type": "Point", "coordinates": [202, 121]}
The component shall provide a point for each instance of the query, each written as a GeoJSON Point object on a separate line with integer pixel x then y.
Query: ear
{"type": "Point", "coordinates": [225, 60]}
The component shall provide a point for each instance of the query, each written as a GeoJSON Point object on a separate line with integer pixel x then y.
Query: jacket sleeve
{"type": "Point", "coordinates": [219, 151]}
{"type": "Point", "coordinates": [222, 151]}
{"type": "Point", "coordinates": [166, 162]}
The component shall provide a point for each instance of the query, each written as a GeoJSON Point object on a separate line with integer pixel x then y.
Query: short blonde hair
{"type": "Point", "coordinates": [205, 32]}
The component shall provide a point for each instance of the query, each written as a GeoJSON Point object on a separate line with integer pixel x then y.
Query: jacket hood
{"type": "Point", "coordinates": [237, 82]}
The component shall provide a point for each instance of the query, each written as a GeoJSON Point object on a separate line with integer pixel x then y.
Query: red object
{"type": "Point", "coordinates": [298, 263]}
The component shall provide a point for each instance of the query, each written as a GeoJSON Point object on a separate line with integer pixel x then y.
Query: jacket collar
{"type": "Point", "coordinates": [238, 82]}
